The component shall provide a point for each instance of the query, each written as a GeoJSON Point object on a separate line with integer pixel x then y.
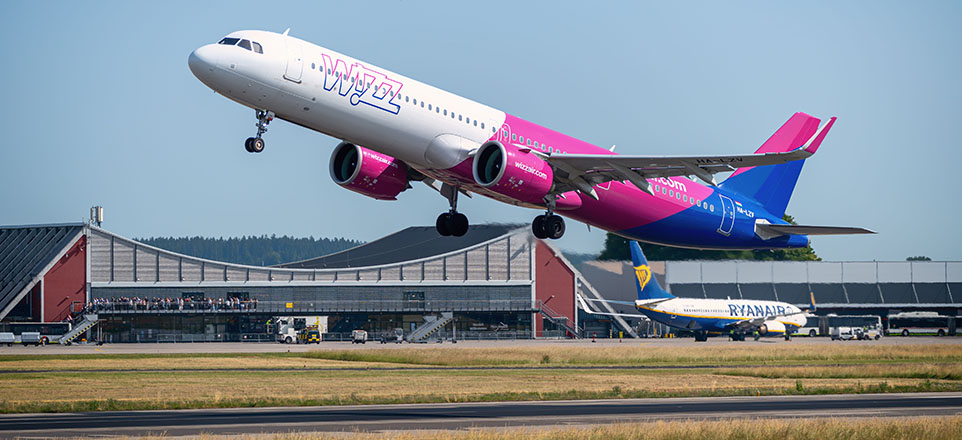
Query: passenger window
{"type": "Point", "coordinates": [671, 193]}
{"type": "Point", "coordinates": [229, 41]}
{"type": "Point", "coordinates": [407, 99]}
{"type": "Point", "coordinates": [536, 144]}
{"type": "Point", "coordinates": [514, 137]}
{"type": "Point", "coordinates": [312, 66]}
{"type": "Point", "coordinates": [711, 208]}
{"type": "Point", "coordinates": [429, 107]}
{"type": "Point", "coordinates": [529, 141]}
{"type": "Point", "coordinates": [246, 44]}
{"type": "Point", "coordinates": [415, 101]}
{"type": "Point", "coordinates": [445, 112]}
{"type": "Point", "coordinates": [656, 188]}
{"type": "Point", "coordinates": [452, 115]}
{"type": "Point", "coordinates": [685, 197]}
{"type": "Point", "coordinates": [482, 126]}
{"type": "Point", "coordinates": [476, 124]}
{"type": "Point", "coordinates": [422, 104]}
{"type": "Point", "coordinates": [664, 190]}
{"type": "Point", "coordinates": [437, 110]}
{"type": "Point", "coordinates": [521, 139]}
{"type": "Point", "coordinates": [459, 118]}
{"type": "Point", "coordinates": [257, 47]}
{"type": "Point", "coordinates": [467, 119]}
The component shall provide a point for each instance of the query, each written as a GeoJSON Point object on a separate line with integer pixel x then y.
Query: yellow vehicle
{"type": "Point", "coordinates": [309, 335]}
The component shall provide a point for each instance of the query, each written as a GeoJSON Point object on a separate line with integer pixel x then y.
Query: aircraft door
{"type": "Point", "coordinates": [728, 215]}
{"type": "Point", "coordinates": [295, 61]}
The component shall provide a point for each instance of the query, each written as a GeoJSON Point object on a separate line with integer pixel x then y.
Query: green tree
{"type": "Point", "coordinates": [616, 248]}
{"type": "Point", "coordinates": [918, 258]}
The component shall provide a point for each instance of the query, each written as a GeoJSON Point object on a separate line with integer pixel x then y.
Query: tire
{"type": "Point", "coordinates": [443, 224]}
{"type": "Point", "coordinates": [877, 337]}
{"type": "Point", "coordinates": [459, 224]}
{"type": "Point", "coordinates": [940, 333]}
{"type": "Point", "coordinates": [538, 227]}
{"type": "Point", "coordinates": [288, 340]}
{"type": "Point", "coordinates": [247, 144]}
{"type": "Point", "coordinates": [905, 332]}
{"type": "Point", "coordinates": [812, 333]}
{"type": "Point", "coordinates": [555, 227]}
{"type": "Point", "coordinates": [257, 145]}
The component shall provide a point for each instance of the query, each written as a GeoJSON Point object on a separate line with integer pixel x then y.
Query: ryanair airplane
{"type": "Point", "coordinates": [736, 317]}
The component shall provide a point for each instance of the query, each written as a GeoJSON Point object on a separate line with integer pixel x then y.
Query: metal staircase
{"type": "Point", "coordinates": [557, 319]}
{"type": "Point", "coordinates": [90, 320]}
{"type": "Point", "coordinates": [431, 324]}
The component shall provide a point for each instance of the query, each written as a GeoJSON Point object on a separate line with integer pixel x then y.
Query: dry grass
{"type": "Point", "coordinates": [642, 354]}
{"type": "Point", "coordinates": [139, 390]}
{"type": "Point", "coordinates": [916, 371]}
{"type": "Point", "coordinates": [922, 428]}
{"type": "Point", "coordinates": [239, 361]}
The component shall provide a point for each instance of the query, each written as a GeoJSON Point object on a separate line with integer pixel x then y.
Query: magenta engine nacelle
{"type": "Point", "coordinates": [512, 171]}
{"type": "Point", "coordinates": [368, 172]}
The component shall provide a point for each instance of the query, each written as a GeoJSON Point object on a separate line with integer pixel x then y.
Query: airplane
{"type": "Point", "coordinates": [736, 317]}
{"type": "Point", "coordinates": [396, 131]}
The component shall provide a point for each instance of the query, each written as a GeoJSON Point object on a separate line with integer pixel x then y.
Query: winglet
{"type": "Point", "coordinates": [812, 145]}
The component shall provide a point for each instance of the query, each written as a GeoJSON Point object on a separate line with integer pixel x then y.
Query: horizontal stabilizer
{"type": "Point", "coordinates": [767, 231]}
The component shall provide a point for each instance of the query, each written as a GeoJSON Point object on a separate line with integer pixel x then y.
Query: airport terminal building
{"type": "Point", "coordinates": [497, 281]}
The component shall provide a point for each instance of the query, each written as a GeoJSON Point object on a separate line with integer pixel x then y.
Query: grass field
{"type": "Point", "coordinates": [923, 428]}
{"type": "Point", "coordinates": [332, 377]}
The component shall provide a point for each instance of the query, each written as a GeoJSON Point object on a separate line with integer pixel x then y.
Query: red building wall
{"type": "Point", "coordinates": [553, 277]}
{"type": "Point", "coordinates": [65, 282]}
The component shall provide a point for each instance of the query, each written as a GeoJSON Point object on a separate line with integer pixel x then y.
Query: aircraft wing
{"type": "Point", "coordinates": [767, 231]}
{"type": "Point", "coordinates": [582, 171]}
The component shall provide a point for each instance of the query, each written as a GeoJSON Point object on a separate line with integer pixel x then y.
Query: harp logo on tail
{"type": "Point", "coordinates": [643, 273]}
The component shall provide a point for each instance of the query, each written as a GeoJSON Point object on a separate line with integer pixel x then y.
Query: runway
{"type": "Point", "coordinates": [468, 415]}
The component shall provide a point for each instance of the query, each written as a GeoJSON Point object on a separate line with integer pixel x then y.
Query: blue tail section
{"type": "Point", "coordinates": [647, 285]}
{"type": "Point", "coordinates": [772, 186]}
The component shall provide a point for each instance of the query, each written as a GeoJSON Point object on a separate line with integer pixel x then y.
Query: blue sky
{"type": "Point", "coordinates": [100, 108]}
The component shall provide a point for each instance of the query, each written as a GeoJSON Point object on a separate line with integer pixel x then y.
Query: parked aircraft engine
{"type": "Point", "coordinates": [368, 172]}
{"type": "Point", "coordinates": [771, 327]}
{"type": "Point", "coordinates": [513, 172]}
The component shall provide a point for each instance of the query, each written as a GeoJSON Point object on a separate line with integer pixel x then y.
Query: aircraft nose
{"type": "Point", "coordinates": [202, 61]}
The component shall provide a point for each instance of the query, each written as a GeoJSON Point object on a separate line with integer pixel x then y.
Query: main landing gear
{"type": "Point", "coordinates": [451, 222]}
{"type": "Point", "coordinates": [256, 144]}
{"type": "Point", "coordinates": [549, 225]}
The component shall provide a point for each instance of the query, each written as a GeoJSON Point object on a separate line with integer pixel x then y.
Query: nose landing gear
{"type": "Point", "coordinates": [451, 222]}
{"type": "Point", "coordinates": [256, 144]}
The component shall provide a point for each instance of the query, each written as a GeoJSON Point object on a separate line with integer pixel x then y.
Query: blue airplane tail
{"type": "Point", "coordinates": [646, 283]}
{"type": "Point", "coordinates": [772, 186]}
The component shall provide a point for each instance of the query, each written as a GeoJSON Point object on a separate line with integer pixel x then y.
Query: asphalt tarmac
{"type": "Point", "coordinates": [375, 418]}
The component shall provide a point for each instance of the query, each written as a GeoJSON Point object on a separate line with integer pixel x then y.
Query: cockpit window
{"type": "Point", "coordinates": [246, 44]}
{"type": "Point", "coordinates": [257, 47]}
{"type": "Point", "coordinates": [229, 41]}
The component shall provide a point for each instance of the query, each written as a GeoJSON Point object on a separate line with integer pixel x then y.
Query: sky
{"type": "Point", "coordinates": [101, 109]}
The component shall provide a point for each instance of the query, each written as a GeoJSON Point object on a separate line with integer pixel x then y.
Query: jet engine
{"type": "Point", "coordinates": [368, 172]}
{"type": "Point", "coordinates": [513, 172]}
{"type": "Point", "coordinates": [771, 327]}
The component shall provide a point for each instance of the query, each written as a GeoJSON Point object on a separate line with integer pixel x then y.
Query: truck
{"type": "Point", "coordinates": [310, 335]}
{"type": "Point", "coordinates": [288, 329]}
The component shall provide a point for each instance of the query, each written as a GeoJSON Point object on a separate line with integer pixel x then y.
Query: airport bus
{"type": "Point", "coordinates": [920, 323]}
{"type": "Point", "coordinates": [823, 325]}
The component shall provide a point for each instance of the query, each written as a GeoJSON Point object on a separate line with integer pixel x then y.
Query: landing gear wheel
{"type": "Point", "coordinates": [257, 145]}
{"type": "Point", "coordinates": [247, 144]}
{"type": "Point", "coordinates": [555, 227]}
{"type": "Point", "coordinates": [788, 337]}
{"type": "Point", "coordinates": [459, 224]}
{"type": "Point", "coordinates": [443, 224]}
{"type": "Point", "coordinates": [538, 229]}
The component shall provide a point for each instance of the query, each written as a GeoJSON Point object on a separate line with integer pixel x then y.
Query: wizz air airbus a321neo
{"type": "Point", "coordinates": [736, 317]}
{"type": "Point", "coordinates": [396, 130]}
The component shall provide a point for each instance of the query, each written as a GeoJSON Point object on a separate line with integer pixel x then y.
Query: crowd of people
{"type": "Point", "coordinates": [170, 304]}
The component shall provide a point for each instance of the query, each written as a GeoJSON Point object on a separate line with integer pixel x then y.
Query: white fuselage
{"type": "Point", "coordinates": [719, 314]}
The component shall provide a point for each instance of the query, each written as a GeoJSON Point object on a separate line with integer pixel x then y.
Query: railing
{"type": "Point", "coordinates": [557, 318]}
{"type": "Point", "coordinates": [280, 307]}
{"type": "Point", "coordinates": [444, 335]}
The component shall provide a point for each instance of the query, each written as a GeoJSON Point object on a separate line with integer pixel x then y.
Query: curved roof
{"type": "Point", "coordinates": [413, 243]}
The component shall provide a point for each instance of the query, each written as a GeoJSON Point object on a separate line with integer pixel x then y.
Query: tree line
{"type": "Point", "coordinates": [253, 250]}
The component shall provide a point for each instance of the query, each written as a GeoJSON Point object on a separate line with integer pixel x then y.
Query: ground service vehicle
{"type": "Point", "coordinates": [309, 335]}
{"type": "Point", "coordinates": [7, 338]}
{"type": "Point", "coordinates": [358, 336]}
{"type": "Point", "coordinates": [288, 328]}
